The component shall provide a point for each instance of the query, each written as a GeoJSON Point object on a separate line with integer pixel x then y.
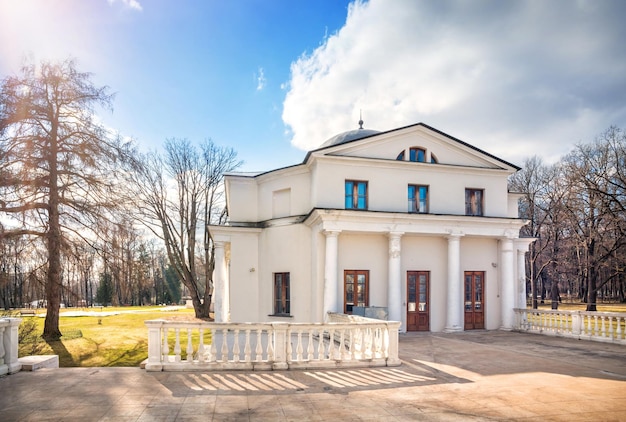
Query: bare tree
{"type": "Point", "coordinates": [55, 162]}
{"type": "Point", "coordinates": [179, 195]}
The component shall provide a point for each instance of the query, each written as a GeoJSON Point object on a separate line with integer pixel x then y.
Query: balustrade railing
{"type": "Point", "coordinates": [583, 325]}
{"type": "Point", "coordinates": [187, 346]}
{"type": "Point", "coordinates": [9, 345]}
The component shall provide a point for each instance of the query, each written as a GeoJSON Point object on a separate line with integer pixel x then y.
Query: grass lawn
{"type": "Point", "coordinates": [114, 340]}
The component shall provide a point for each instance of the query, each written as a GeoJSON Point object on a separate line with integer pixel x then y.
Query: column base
{"type": "Point", "coordinates": [453, 329]}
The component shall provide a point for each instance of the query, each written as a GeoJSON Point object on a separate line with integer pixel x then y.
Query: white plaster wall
{"type": "Point", "coordinates": [388, 182]}
{"type": "Point", "coordinates": [244, 283]}
{"type": "Point", "coordinates": [478, 254]}
{"type": "Point", "coordinates": [365, 252]}
{"type": "Point", "coordinates": [285, 249]}
{"type": "Point", "coordinates": [242, 199]}
{"type": "Point", "coordinates": [296, 179]}
{"type": "Point", "coordinates": [421, 253]}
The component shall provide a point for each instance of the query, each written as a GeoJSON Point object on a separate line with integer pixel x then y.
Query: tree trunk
{"type": "Point", "coordinates": [51, 329]}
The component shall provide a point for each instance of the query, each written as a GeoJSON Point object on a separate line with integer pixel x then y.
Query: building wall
{"type": "Point", "coordinates": [425, 253]}
{"type": "Point", "coordinates": [388, 183]}
{"type": "Point", "coordinates": [478, 254]}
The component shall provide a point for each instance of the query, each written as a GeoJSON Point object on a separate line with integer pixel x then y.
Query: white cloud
{"type": "Point", "coordinates": [132, 4]}
{"type": "Point", "coordinates": [260, 79]}
{"type": "Point", "coordinates": [514, 78]}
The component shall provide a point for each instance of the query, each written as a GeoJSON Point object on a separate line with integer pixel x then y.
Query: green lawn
{"type": "Point", "coordinates": [115, 340]}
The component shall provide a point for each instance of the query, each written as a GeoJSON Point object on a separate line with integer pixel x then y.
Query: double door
{"type": "Point", "coordinates": [418, 307]}
{"type": "Point", "coordinates": [474, 304]}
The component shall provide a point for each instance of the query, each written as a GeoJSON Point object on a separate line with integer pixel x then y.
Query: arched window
{"type": "Point", "coordinates": [400, 156]}
{"type": "Point", "coordinates": [433, 159]}
{"type": "Point", "coordinates": [417, 155]}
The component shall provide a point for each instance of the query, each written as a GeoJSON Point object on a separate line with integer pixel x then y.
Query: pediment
{"type": "Point", "coordinates": [445, 149]}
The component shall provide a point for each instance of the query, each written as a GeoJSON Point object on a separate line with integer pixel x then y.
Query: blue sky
{"type": "Point", "coordinates": [275, 78]}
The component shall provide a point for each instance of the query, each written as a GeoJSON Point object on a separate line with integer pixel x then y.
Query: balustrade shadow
{"type": "Point", "coordinates": [332, 381]}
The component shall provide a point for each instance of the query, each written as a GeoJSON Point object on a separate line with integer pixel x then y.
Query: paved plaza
{"type": "Point", "coordinates": [470, 376]}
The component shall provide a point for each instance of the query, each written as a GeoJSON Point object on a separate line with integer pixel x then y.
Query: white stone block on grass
{"type": "Point", "coordinates": [32, 363]}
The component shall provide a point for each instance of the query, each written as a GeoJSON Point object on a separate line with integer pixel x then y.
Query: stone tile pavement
{"type": "Point", "coordinates": [470, 376]}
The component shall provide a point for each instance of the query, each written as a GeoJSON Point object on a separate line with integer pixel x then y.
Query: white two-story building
{"type": "Point", "coordinates": [411, 220]}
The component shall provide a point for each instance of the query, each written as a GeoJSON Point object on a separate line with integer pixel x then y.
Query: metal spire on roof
{"type": "Point", "coordinates": [360, 119]}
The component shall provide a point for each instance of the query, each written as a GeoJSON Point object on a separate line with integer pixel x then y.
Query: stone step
{"type": "Point", "coordinates": [32, 363]}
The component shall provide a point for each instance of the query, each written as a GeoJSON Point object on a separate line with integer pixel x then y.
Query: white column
{"type": "Point", "coordinates": [394, 287]}
{"type": "Point", "coordinates": [331, 285]}
{"type": "Point", "coordinates": [454, 315]}
{"type": "Point", "coordinates": [220, 284]}
{"type": "Point", "coordinates": [507, 274]}
{"type": "Point", "coordinates": [521, 278]}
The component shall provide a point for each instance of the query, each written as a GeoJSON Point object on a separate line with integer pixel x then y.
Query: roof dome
{"type": "Point", "coordinates": [351, 135]}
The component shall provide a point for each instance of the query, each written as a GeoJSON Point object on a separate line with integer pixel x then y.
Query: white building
{"type": "Point", "coordinates": [412, 220]}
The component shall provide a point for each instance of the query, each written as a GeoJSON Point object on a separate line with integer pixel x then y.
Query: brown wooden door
{"type": "Point", "coordinates": [417, 305]}
{"type": "Point", "coordinates": [474, 300]}
{"type": "Point", "coordinates": [356, 289]}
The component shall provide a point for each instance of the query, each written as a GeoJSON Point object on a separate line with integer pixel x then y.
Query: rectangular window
{"type": "Point", "coordinates": [418, 198]}
{"type": "Point", "coordinates": [474, 201]}
{"type": "Point", "coordinates": [356, 195]}
{"type": "Point", "coordinates": [281, 294]}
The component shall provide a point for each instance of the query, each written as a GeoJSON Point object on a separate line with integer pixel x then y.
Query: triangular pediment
{"type": "Point", "coordinates": [439, 148]}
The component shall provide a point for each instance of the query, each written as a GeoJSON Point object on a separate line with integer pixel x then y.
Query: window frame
{"type": "Point", "coordinates": [355, 196]}
{"type": "Point", "coordinates": [282, 294]}
{"type": "Point", "coordinates": [415, 201]}
{"type": "Point", "coordinates": [414, 154]}
{"type": "Point", "coordinates": [472, 207]}
{"type": "Point", "coordinates": [355, 274]}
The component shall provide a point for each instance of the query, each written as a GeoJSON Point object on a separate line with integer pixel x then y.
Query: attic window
{"type": "Point", "coordinates": [417, 155]}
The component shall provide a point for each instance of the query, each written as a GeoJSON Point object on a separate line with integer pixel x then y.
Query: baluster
{"type": "Point", "coordinates": [331, 343]}
{"type": "Point", "coordinates": [610, 331]}
{"type": "Point", "coordinates": [270, 345]}
{"type": "Point", "coordinates": [342, 334]}
{"type": "Point", "coordinates": [596, 331]}
{"type": "Point", "coordinates": [247, 350]}
{"type": "Point", "coordinates": [236, 351]}
{"type": "Point", "coordinates": [201, 356]}
{"type": "Point", "coordinates": [320, 344]}
{"type": "Point", "coordinates": [225, 357]}
{"type": "Point", "coordinates": [588, 324]}
{"type": "Point", "coordinates": [189, 346]}
{"type": "Point", "coordinates": [602, 321]}
{"type": "Point", "coordinates": [177, 348]}
{"type": "Point", "coordinates": [213, 347]}
{"type": "Point", "coordinates": [166, 346]}
{"type": "Point", "coordinates": [618, 321]}
{"type": "Point", "coordinates": [289, 346]}
{"type": "Point", "coordinates": [352, 348]}
{"type": "Point", "coordinates": [259, 345]}
{"type": "Point", "coordinates": [310, 349]}
{"type": "Point", "coordinates": [379, 343]}
{"type": "Point", "coordinates": [299, 346]}
{"type": "Point", "coordinates": [2, 351]}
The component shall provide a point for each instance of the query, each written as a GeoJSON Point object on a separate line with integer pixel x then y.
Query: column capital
{"type": "Point", "coordinates": [454, 235]}
{"type": "Point", "coordinates": [331, 233]}
{"type": "Point", "coordinates": [393, 235]}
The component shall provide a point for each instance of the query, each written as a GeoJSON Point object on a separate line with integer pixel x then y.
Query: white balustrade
{"type": "Point", "coordinates": [582, 325]}
{"type": "Point", "coordinates": [9, 345]}
{"type": "Point", "coordinates": [341, 342]}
